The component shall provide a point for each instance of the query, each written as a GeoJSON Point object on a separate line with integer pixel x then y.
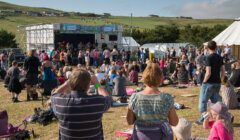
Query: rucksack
{"type": "Point", "coordinates": [42, 117]}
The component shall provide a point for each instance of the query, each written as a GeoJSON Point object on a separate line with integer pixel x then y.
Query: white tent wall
{"type": "Point", "coordinates": [231, 37]}
{"type": "Point", "coordinates": [128, 43]}
{"type": "Point", "coordinates": [160, 49]}
{"type": "Point", "coordinates": [40, 37]}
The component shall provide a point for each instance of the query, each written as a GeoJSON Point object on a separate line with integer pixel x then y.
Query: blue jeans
{"type": "Point", "coordinates": [208, 91]}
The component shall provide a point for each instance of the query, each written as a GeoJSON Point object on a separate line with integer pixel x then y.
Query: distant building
{"type": "Point", "coordinates": [34, 14]}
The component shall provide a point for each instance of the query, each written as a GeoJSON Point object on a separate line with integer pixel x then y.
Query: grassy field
{"type": "Point", "coordinates": [113, 120]}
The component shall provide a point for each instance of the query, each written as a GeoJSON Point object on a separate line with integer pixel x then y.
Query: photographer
{"type": "Point", "coordinates": [79, 114]}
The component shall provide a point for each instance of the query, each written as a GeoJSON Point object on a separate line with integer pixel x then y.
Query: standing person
{"type": "Point", "coordinates": [52, 54]}
{"type": "Point", "coordinates": [79, 114]}
{"type": "Point", "coordinates": [81, 57]}
{"type": "Point", "coordinates": [49, 80]}
{"type": "Point", "coordinates": [11, 57]}
{"type": "Point", "coordinates": [212, 80]}
{"type": "Point", "coordinates": [87, 58]}
{"type": "Point", "coordinates": [31, 65]}
{"type": "Point", "coordinates": [152, 111]}
{"type": "Point", "coordinates": [3, 59]}
{"type": "Point", "coordinates": [139, 54]}
{"type": "Point", "coordinates": [106, 54]}
{"type": "Point", "coordinates": [142, 55]}
{"type": "Point", "coordinates": [14, 85]}
{"type": "Point", "coordinates": [95, 57]}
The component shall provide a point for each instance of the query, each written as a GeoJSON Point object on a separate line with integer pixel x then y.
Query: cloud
{"type": "Point", "coordinates": [211, 9]}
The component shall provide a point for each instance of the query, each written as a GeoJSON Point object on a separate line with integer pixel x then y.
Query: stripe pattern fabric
{"type": "Point", "coordinates": [80, 115]}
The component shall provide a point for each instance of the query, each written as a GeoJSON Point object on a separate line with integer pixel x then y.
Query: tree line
{"type": "Point", "coordinates": [195, 35]}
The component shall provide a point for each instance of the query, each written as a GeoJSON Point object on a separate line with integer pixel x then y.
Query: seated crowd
{"type": "Point", "coordinates": [81, 94]}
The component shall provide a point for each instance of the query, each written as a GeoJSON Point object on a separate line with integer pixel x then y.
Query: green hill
{"type": "Point", "coordinates": [8, 6]}
{"type": "Point", "coordinates": [12, 22]}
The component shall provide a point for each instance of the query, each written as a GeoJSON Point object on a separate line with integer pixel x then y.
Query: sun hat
{"type": "Point", "coordinates": [183, 129]}
{"type": "Point", "coordinates": [220, 108]}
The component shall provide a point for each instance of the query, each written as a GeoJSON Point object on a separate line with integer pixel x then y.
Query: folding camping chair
{"type": "Point", "coordinates": [9, 132]}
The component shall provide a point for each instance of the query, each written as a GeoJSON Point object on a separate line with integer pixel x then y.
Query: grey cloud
{"type": "Point", "coordinates": [211, 9]}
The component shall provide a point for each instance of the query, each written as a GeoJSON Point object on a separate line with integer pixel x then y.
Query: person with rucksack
{"type": "Point", "coordinates": [49, 80]}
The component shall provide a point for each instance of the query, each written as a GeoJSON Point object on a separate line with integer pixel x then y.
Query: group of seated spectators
{"type": "Point", "coordinates": [151, 111]}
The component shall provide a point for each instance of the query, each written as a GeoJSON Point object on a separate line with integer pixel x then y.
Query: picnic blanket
{"type": "Point", "coordinates": [125, 133]}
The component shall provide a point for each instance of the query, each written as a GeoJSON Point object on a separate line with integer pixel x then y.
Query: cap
{"type": "Point", "coordinates": [220, 108]}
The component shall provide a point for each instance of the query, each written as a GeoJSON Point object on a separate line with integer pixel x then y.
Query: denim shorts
{"type": "Point", "coordinates": [209, 91]}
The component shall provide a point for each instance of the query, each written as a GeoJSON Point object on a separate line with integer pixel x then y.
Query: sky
{"type": "Point", "coordinates": [193, 8]}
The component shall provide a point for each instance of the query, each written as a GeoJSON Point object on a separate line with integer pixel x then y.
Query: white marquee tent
{"type": "Point", "coordinates": [129, 43]}
{"type": "Point", "coordinates": [230, 36]}
{"type": "Point", "coordinates": [160, 49]}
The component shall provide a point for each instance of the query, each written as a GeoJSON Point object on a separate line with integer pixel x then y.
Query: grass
{"type": "Point", "coordinates": [112, 120]}
{"type": "Point", "coordinates": [5, 5]}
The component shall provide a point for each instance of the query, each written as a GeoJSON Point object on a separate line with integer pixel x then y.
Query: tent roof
{"type": "Point", "coordinates": [230, 36]}
{"type": "Point", "coordinates": [163, 46]}
{"type": "Point", "coordinates": [129, 42]}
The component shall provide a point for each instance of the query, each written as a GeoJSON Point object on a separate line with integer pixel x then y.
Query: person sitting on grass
{"type": "Point", "coordinates": [112, 75]}
{"type": "Point", "coordinates": [182, 75]}
{"type": "Point", "coordinates": [152, 111]}
{"type": "Point", "coordinates": [229, 97]}
{"type": "Point", "coordinates": [219, 121]}
{"type": "Point", "coordinates": [119, 82]}
{"type": "Point", "coordinates": [133, 75]}
{"type": "Point", "coordinates": [79, 114]}
{"type": "Point", "coordinates": [14, 86]}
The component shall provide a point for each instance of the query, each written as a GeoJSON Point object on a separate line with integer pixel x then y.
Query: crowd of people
{"type": "Point", "coordinates": [80, 94]}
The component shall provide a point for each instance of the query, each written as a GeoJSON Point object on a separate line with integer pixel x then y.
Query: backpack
{"type": "Point", "coordinates": [42, 117]}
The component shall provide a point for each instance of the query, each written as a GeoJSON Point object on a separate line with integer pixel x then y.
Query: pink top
{"type": "Point", "coordinates": [219, 132]}
{"type": "Point", "coordinates": [162, 64]}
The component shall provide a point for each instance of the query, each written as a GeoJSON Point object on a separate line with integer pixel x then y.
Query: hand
{"type": "Point", "coordinates": [94, 80]}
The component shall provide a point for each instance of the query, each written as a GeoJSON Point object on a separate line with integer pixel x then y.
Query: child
{"type": "Point", "coordinates": [14, 86]}
{"type": "Point", "coordinates": [61, 78]}
{"type": "Point", "coordinates": [219, 121]}
{"type": "Point", "coordinates": [229, 97]}
{"type": "Point", "coordinates": [113, 75]}
{"type": "Point", "coordinates": [133, 76]}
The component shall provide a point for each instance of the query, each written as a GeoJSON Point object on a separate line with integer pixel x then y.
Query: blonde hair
{"type": "Point", "coordinates": [226, 122]}
{"type": "Point", "coordinates": [80, 80]}
{"type": "Point", "coordinates": [152, 75]}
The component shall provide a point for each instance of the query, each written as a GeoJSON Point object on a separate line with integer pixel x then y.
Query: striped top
{"type": "Point", "coordinates": [80, 115]}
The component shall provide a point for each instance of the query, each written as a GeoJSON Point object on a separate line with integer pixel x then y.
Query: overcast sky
{"type": "Point", "coordinates": [194, 8]}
